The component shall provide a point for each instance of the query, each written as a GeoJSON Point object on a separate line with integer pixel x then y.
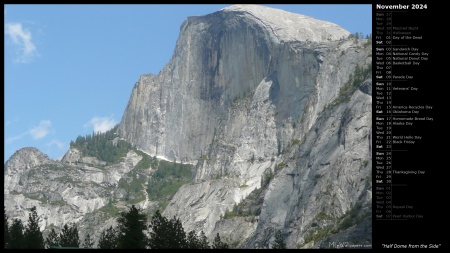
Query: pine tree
{"type": "Point", "coordinates": [193, 241]}
{"type": "Point", "coordinates": [218, 244]}
{"type": "Point", "coordinates": [166, 234]}
{"type": "Point", "coordinates": [158, 230]}
{"type": "Point", "coordinates": [131, 229]}
{"type": "Point", "coordinates": [52, 239]}
{"type": "Point", "coordinates": [33, 235]}
{"type": "Point", "coordinates": [108, 239]}
{"type": "Point", "coordinates": [16, 235]}
{"type": "Point", "coordinates": [88, 242]}
{"type": "Point", "coordinates": [76, 238]}
{"type": "Point", "coordinates": [69, 236]}
{"type": "Point", "coordinates": [179, 236]}
{"type": "Point", "coordinates": [6, 229]}
{"type": "Point", "coordinates": [204, 244]}
{"type": "Point", "coordinates": [279, 241]}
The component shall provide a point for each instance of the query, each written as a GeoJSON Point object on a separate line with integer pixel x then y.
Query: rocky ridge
{"type": "Point", "coordinates": [267, 106]}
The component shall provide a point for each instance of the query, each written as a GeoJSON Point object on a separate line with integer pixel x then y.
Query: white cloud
{"type": "Point", "coordinates": [101, 124]}
{"type": "Point", "coordinates": [22, 39]}
{"type": "Point", "coordinates": [59, 144]}
{"type": "Point", "coordinates": [41, 130]}
{"type": "Point", "coordinates": [38, 132]}
{"type": "Point", "coordinates": [10, 122]}
{"type": "Point", "coordinates": [11, 139]}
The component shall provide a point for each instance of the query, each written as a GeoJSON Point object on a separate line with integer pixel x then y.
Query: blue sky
{"type": "Point", "coordinates": [69, 69]}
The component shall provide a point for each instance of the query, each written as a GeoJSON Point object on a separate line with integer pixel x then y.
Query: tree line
{"type": "Point", "coordinates": [132, 232]}
{"type": "Point", "coordinates": [101, 146]}
{"type": "Point", "coordinates": [359, 35]}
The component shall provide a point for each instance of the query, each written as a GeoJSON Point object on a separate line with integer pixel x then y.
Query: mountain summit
{"type": "Point", "coordinates": [260, 122]}
{"type": "Point", "coordinates": [287, 26]}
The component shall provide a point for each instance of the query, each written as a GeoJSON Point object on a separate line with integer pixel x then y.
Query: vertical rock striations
{"type": "Point", "coordinates": [274, 110]}
{"type": "Point", "coordinates": [219, 59]}
{"type": "Point", "coordinates": [250, 88]}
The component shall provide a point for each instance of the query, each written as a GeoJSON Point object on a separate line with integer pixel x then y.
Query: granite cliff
{"type": "Point", "coordinates": [272, 109]}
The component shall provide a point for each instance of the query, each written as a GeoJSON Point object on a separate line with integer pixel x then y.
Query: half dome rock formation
{"type": "Point", "coordinates": [273, 110]}
{"type": "Point", "coordinates": [218, 59]}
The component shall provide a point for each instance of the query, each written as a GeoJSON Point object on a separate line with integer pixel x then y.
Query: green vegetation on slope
{"type": "Point", "coordinates": [103, 146]}
{"type": "Point", "coordinates": [354, 81]}
{"type": "Point", "coordinates": [167, 178]}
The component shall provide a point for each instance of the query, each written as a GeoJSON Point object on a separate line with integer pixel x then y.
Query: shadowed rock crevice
{"type": "Point", "coordinates": [265, 105]}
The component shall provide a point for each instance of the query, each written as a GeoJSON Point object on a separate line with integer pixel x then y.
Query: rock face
{"type": "Point", "coordinates": [218, 59]}
{"type": "Point", "coordinates": [243, 86]}
{"type": "Point", "coordinates": [21, 161]}
{"type": "Point", "coordinates": [274, 110]}
{"type": "Point", "coordinates": [63, 192]}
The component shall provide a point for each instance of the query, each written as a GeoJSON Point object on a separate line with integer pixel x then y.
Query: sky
{"type": "Point", "coordinates": [69, 69]}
